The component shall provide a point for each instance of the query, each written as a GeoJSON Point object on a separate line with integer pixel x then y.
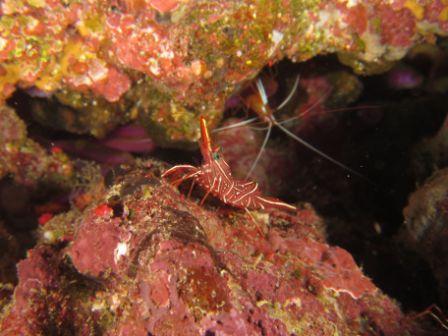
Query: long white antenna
{"type": "Point", "coordinates": [316, 150]}
{"type": "Point", "coordinates": [291, 94]}
{"type": "Point", "coordinates": [260, 152]}
{"type": "Point", "coordinates": [264, 99]}
{"type": "Point", "coordinates": [273, 121]}
{"type": "Point", "coordinates": [238, 124]}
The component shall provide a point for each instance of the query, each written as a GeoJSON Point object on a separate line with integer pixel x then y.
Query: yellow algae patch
{"type": "Point", "coordinates": [415, 8]}
{"type": "Point", "coordinates": [37, 3]}
{"type": "Point", "coordinates": [299, 326]}
{"type": "Point", "coordinates": [443, 16]}
{"type": "Point", "coordinates": [51, 80]}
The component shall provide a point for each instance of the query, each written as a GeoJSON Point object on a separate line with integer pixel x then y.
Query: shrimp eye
{"type": "Point", "coordinates": [215, 156]}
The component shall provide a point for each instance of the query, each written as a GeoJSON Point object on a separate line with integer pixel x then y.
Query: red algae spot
{"type": "Point", "coordinates": [56, 150]}
{"type": "Point", "coordinates": [204, 289]}
{"type": "Point", "coordinates": [397, 26]}
{"type": "Point", "coordinates": [164, 6]}
{"type": "Point", "coordinates": [356, 17]}
{"type": "Point", "coordinates": [44, 218]}
{"type": "Point", "coordinates": [103, 210]}
{"type": "Point", "coordinates": [94, 248]}
{"type": "Point", "coordinates": [78, 67]}
{"type": "Point", "coordinates": [113, 86]}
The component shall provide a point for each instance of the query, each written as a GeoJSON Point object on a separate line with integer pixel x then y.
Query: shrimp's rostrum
{"type": "Point", "coordinates": [215, 177]}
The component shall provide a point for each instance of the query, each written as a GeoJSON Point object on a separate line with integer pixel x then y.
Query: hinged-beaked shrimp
{"type": "Point", "coordinates": [258, 103]}
{"type": "Point", "coordinates": [215, 177]}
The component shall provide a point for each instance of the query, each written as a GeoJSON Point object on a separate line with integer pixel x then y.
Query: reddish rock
{"type": "Point", "coordinates": [99, 245]}
{"type": "Point", "coordinates": [154, 262]}
{"type": "Point", "coordinates": [188, 57]}
{"type": "Point", "coordinates": [164, 5]}
{"type": "Point", "coordinates": [391, 33]}
{"type": "Point", "coordinates": [26, 160]}
{"type": "Point", "coordinates": [113, 86]}
{"type": "Point", "coordinates": [30, 313]}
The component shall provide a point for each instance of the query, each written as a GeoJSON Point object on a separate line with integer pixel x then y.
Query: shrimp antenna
{"type": "Point", "coordinates": [441, 319]}
{"type": "Point", "coordinates": [291, 94]}
{"type": "Point", "coordinates": [260, 152]}
{"type": "Point", "coordinates": [341, 109]}
{"type": "Point", "coordinates": [308, 110]}
{"type": "Point", "coordinates": [316, 150]}
{"type": "Point", "coordinates": [238, 124]}
{"type": "Point", "coordinates": [264, 99]}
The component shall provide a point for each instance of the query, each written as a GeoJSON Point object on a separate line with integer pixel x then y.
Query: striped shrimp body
{"type": "Point", "coordinates": [215, 177]}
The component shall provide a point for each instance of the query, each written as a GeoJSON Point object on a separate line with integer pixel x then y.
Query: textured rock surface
{"type": "Point", "coordinates": [427, 225]}
{"type": "Point", "coordinates": [142, 259]}
{"type": "Point", "coordinates": [26, 160]}
{"type": "Point", "coordinates": [165, 64]}
{"type": "Point", "coordinates": [10, 254]}
{"type": "Point", "coordinates": [431, 153]}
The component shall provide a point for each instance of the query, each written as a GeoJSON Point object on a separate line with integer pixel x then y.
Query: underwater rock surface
{"type": "Point", "coordinates": [164, 63]}
{"type": "Point", "coordinates": [142, 259]}
{"type": "Point", "coordinates": [26, 160]}
{"type": "Point", "coordinates": [426, 225]}
{"type": "Point", "coordinates": [126, 253]}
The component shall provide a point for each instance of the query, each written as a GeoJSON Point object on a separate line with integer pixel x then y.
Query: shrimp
{"type": "Point", "coordinates": [215, 177]}
{"type": "Point", "coordinates": [258, 102]}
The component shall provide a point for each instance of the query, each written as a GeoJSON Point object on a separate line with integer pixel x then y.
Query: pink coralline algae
{"type": "Point", "coordinates": [397, 36]}
{"type": "Point", "coordinates": [194, 53]}
{"type": "Point", "coordinates": [38, 276]}
{"type": "Point", "coordinates": [144, 260]}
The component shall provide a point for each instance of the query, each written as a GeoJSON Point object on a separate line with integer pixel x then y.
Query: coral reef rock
{"type": "Point", "coordinates": [166, 62]}
{"type": "Point", "coordinates": [426, 220]}
{"type": "Point", "coordinates": [145, 260]}
{"type": "Point", "coordinates": [25, 159]}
